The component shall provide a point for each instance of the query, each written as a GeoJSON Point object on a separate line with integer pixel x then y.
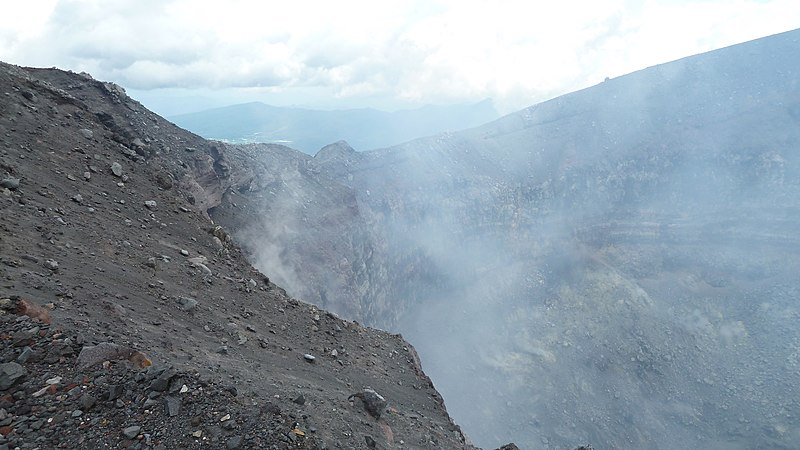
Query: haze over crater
{"type": "Point", "coordinates": [614, 266]}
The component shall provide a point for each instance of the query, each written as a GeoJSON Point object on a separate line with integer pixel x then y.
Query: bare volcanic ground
{"type": "Point", "coordinates": [104, 227]}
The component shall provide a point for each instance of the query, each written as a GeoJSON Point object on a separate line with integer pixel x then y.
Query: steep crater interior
{"type": "Point", "coordinates": [615, 266]}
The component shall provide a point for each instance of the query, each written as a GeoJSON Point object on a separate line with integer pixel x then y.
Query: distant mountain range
{"type": "Point", "coordinates": [309, 130]}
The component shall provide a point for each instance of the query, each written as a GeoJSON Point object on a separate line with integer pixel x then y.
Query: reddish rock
{"type": "Point", "coordinates": [32, 310]}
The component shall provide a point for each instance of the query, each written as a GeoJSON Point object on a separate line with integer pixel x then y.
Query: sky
{"type": "Point", "coordinates": [183, 55]}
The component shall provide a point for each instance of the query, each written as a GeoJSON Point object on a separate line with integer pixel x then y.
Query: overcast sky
{"type": "Point", "coordinates": [387, 54]}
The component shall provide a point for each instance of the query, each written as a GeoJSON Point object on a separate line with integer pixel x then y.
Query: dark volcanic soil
{"type": "Point", "coordinates": [104, 224]}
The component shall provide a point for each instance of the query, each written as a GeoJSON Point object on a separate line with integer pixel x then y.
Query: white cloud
{"type": "Point", "coordinates": [517, 52]}
{"type": "Point", "coordinates": [24, 19]}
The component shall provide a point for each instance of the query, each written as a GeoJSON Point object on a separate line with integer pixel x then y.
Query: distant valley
{"type": "Point", "coordinates": [309, 130]}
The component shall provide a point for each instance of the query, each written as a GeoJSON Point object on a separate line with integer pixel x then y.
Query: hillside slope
{"type": "Point", "coordinates": [104, 224]}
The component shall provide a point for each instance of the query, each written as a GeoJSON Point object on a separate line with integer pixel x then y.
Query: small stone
{"type": "Point", "coordinates": [206, 271]}
{"type": "Point", "coordinates": [10, 374]}
{"type": "Point", "coordinates": [24, 355]}
{"type": "Point", "coordinates": [187, 304]}
{"type": "Point", "coordinates": [198, 260]}
{"type": "Point", "coordinates": [131, 432]}
{"type": "Point", "coordinates": [87, 401]}
{"type": "Point", "coordinates": [23, 337]}
{"type": "Point", "coordinates": [87, 176]}
{"type": "Point", "coordinates": [77, 198]}
{"type": "Point", "coordinates": [164, 180]}
{"type": "Point", "coordinates": [150, 204]}
{"type": "Point", "coordinates": [225, 417]}
{"type": "Point", "coordinates": [10, 183]}
{"type": "Point", "coordinates": [198, 433]}
{"type": "Point", "coordinates": [184, 389]}
{"type": "Point", "coordinates": [116, 169]}
{"type": "Point", "coordinates": [51, 264]}
{"type": "Point", "coordinates": [233, 442]}
{"type": "Point", "coordinates": [172, 405]}
{"type": "Point", "coordinates": [74, 392]}
{"type": "Point", "coordinates": [91, 355]}
{"type": "Point", "coordinates": [77, 413]}
{"type": "Point", "coordinates": [310, 358]}
{"type": "Point", "coordinates": [115, 391]}
{"type": "Point", "coordinates": [373, 402]}
{"type": "Point", "coordinates": [161, 383]}
{"type": "Point", "coordinates": [300, 399]}
{"type": "Point", "coordinates": [213, 432]}
{"type": "Point", "coordinates": [184, 252]}
{"type": "Point", "coordinates": [88, 134]}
